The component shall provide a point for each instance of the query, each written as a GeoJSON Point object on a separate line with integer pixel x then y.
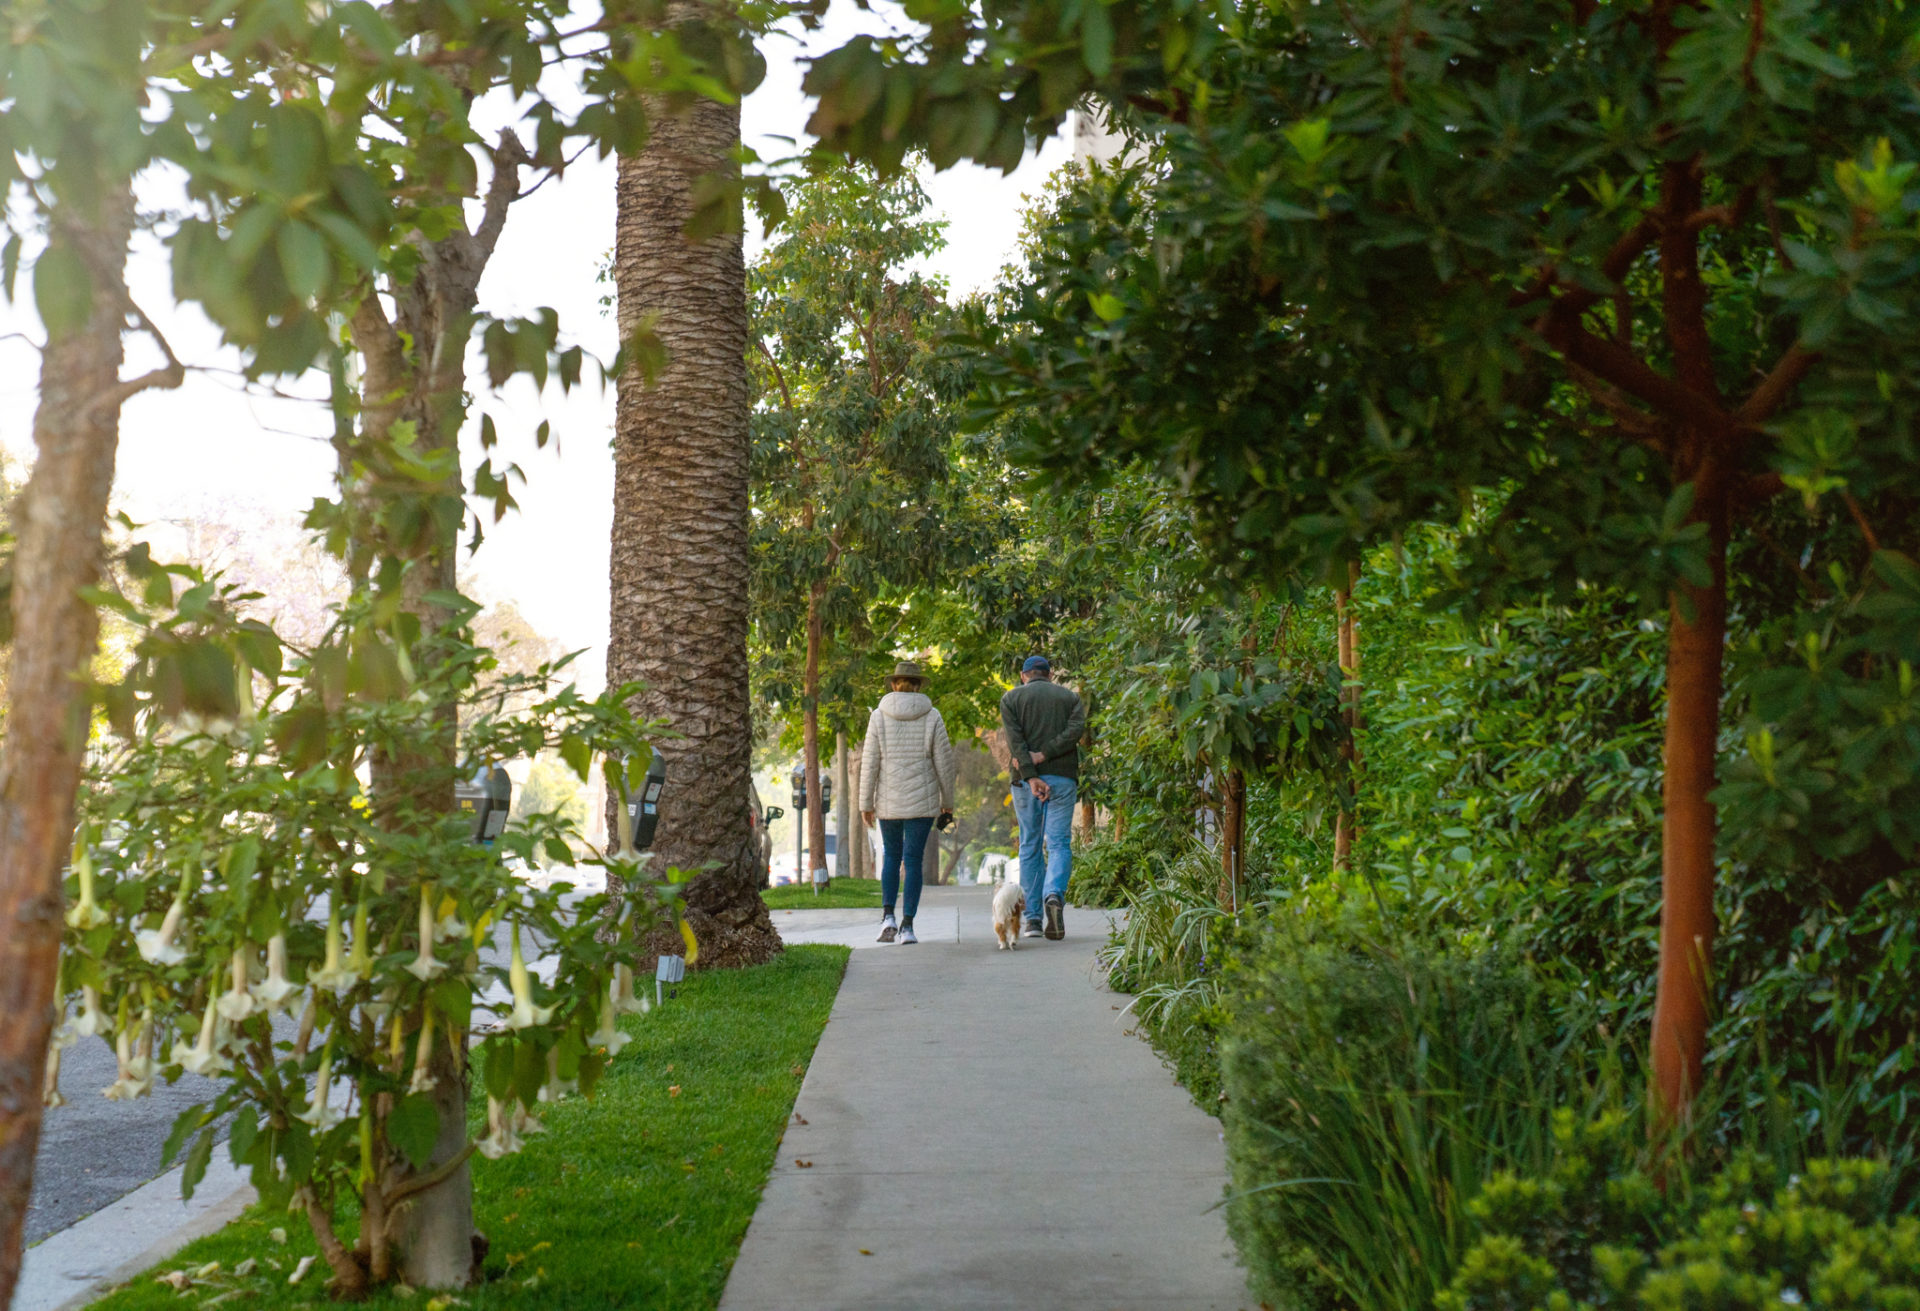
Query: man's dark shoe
{"type": "Point", "coordinates": [1034, 929]}
{"type": "Point", "coordinates": [1056, 918]}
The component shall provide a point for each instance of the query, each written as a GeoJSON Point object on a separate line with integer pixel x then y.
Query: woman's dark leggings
{"type": "Point", "coordinates": [896, 834]}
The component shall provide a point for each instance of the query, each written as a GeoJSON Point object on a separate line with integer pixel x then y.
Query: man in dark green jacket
{"type": "Point", "coordinates": [1044, 723]}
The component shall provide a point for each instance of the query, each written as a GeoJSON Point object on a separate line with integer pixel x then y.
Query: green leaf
{"type": "Point", "coordinates": [194, 1168]}
{"type": "Point", "coordinates": [1107, 305]}
{"type": "Point", "coordinates": [413, 1126]}
{"type": "Point", "coordinates": [303, 258]}
{"type": "Point", "coordinates": [183, 1126]}
{"type": "Point", "coordinates": [453, 1002]}
{"type": "Point", "coordinates": [62, 290]}
{"type": "Point", "coordinates": [578, 755]}
{"type": "Point", "coordinates": [243, 1135]}
{"type": "Point", "coordinates": [1096, 38]}
{"type": "Point", "coordinates": [499, 1068]}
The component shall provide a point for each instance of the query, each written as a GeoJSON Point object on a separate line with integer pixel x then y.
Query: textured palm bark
{"type": "Point", "coordinates": [842, 806]}
{"type": "Point", "coordinates": [678, 568]}
{"type": "Point", "coordinates": [810, 738]}
{"type": "Point", "coordinates": [861, 864]}
{"type": "Point", "coordinates": [60, 522]}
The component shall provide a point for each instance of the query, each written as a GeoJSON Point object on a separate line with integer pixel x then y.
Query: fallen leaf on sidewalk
{"type": "Point", "coordinates": [799, 1118]}
{"type": "Point", "coordinates": [804, 1165]}
{"type": "Point", "coordinates": [865, 1252]}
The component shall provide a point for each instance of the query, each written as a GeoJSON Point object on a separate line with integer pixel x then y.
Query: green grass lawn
{"type": "Point", "coordinates": [841, 894]}
{"type": "Point", "coordinates": [637, 1199]}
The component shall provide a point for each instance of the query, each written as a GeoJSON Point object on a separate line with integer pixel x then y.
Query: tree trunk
{"type": "Point", "coordinates": [415, 372]}
{"type": "Point", "coordinates": [862, 864]}
{"type": "Point", "coordinates": [930, 859]}
{"type": "Point", "coordinates": [1689, 831]}
{"type": "Point", "coordinates": [1087, 817]}
{"type": "Point", "coordinates": [1233, 841]}
{"type": "Point", "coordinates": [678, 565]}
{"type": "Point", "coordinates": [810, 740]}
{"type": "Point", "coordinates": [60, 523]}
{"type": "Point", "coordinates": [1346, 820]}
{"type": "Point", "coordinates": [843, 808]}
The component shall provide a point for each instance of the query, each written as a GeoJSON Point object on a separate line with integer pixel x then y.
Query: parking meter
{"type": "Point", "coordinates": [798, 778]}
{"type": "Point", "coordinates": [487, 798]}
{"type": "Point", "coordinates": [644, 809]}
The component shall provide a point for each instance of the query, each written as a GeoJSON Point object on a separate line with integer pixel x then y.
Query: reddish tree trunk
{"type": "Point", "coordinates": [1689, 831]}
{"type": "Point", "coordinates": [1233, 840]}
{"type": "Point", "coordinates": [1349, 657]}
{"type": "Point", "coordinates": [60, 521]}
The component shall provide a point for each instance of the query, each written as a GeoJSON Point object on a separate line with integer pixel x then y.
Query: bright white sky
{"type": "Point", "coordinates": [211, 446]}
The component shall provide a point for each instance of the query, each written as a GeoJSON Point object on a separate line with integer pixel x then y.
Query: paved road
{"type": "Point", "coordinates": [979, 1131]}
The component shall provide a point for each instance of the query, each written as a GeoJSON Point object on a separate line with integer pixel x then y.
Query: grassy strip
{"type": "Point", "coordinates": [841, 894]}
{"type": "Point", "coordinates": [638, 1199]}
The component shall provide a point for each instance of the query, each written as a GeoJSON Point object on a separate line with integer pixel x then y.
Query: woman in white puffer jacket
{"type": "Point", "coordinates": [906, 781]}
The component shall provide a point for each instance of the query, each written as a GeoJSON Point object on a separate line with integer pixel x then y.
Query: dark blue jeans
{"type": "Point", "coordinates": [895, 834]}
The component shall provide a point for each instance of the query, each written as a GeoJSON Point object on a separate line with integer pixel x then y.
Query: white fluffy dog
{"type": "Point", "coordinates": [1008, 904]}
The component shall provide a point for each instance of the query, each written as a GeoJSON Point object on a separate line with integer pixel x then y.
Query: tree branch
{"type": "Point", "coordinates": [1779, 383]}
{"type": "Point", "coordinates": [1623, 369]}
{"type": "Point", "coordinates": [400, 1192]}
{"type": "Point", "coordinates": [508, 156]}
{"type": "Point", "coordinates": [1725, 216]}
{"type": "Point", "coordinates": [779, 377]}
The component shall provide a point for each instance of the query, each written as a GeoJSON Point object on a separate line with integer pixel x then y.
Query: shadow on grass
{"type": "Point", "coordinates": [637, 1199]}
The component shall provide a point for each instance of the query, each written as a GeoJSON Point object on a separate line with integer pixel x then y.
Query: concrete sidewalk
{"type": "Point", "coordinates": [979, 1131]}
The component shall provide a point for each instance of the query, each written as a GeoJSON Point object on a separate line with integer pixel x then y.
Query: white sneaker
{"type": "Point", "coordinates": [907, 935]}
{"type": "Point", "coordinates": [887, 928]}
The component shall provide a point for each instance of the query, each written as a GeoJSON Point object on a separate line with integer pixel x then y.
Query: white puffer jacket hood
{"type": "Point", "coordinates": [906, 765]}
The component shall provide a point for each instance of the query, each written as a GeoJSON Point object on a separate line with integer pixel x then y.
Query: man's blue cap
{"type": "Point", "coordinates": [1037, 664]}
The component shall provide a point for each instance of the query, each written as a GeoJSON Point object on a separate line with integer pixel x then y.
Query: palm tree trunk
{"type": "Point", "coordinates": [810, 740]}
{"type": "Point", "coordinates": [679, 551]}
{"type": "Point", "coordinates": [843, 808]}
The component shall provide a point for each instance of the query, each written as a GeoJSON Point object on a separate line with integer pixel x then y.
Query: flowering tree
{"type": "Point", "coordinates": [234, 865]}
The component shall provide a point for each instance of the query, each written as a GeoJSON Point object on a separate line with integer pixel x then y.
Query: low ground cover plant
{"type": "Point", "coordinates": [640, 1199]}
{"type": "Point", "coordinates": [1606, 1227]}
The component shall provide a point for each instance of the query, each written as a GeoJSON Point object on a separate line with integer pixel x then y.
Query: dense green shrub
{"type": "Point", "coordinates": [1371, 1088]}
{"type": "Point", "coordinates": [1109, 868]}
{"type": "Point", "coordinates": [1598, 1231]}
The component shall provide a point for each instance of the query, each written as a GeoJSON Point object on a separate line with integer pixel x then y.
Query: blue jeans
{"type": "Point", "coordinates": [1048, 822]}
{"type": "Point", "coordinates": [912, 835]}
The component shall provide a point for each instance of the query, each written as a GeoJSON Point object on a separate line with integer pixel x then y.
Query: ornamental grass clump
{"type": "Point", "coordinates": [1371, 1089]}
{"type": "Point", "coordinates": [284, 902]}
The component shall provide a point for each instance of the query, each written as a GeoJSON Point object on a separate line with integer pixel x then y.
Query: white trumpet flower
{"type": "Point", "coordinates": [360, 955]}
{"type": "Point", "coordinates": [555, 1088]}
{"type": "Point", "coordinates": [501, 1140]}
{"type": "Point", "coordinates": [50, 1090]}
{"type": "Point", "coordinates": [424, 965]}
{"type": "Point", "coordinates": [85, 914]}
{"type": "Point", "coordinates": [237, 1002]}
{"type": "Point", "coordinates": [624, 1000]}
{"type": "Point", "coordinates": [525, 1014]}
{"type": "Point", "coordinates": [92, 1021]}
{"type": "Point", "coordinates": [608, 1035]}
{"type": "Point", "coordinates": [132, 1080]}
{"type": "Point", "coordinates": [202, 1057]}
{"type": "Point", "coordinates": [423, 1080]}
{"type": "Point", "coordinates": [275, 991]}
{"type": "Point", "coordinates": [333, 975]}
{"type": "Point", "coordinates": [157, 945]}
{"type": "Point", "coordinates": [318, 1114]}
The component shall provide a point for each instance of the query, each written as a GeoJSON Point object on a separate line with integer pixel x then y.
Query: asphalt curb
{"type": "Point", "coordinates": [69, 1269]}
